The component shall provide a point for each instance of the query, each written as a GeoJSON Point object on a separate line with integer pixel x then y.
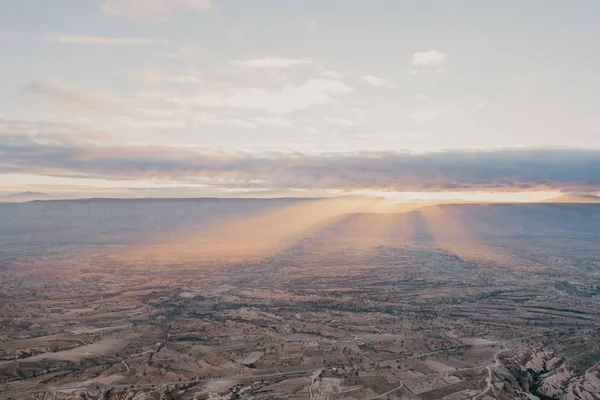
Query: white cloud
{"type": "Point", "coordinates": [183, 52]}
{"type": "Point", "coordinates": [149, 76]}
{"type": "Point", "coordinates": [277, 122]}
{"type": "Point", "coordinates": [103, 40]}
{"type": "Point", "coordinates": [272, 62]}
{"type": "Point", "coordinates": [156, 94]}
{"type": "Point", "coordinates": [54, 91]}
{"type": "Point", "coordinates": [342, 122]}
{"type": "Point", "coordinates": [77, 136]}
{"type": "Point", "coordinates": [331, 75]}
{"type": "Point", "coordinates": [391, 135]}
{"type": "Point", "coordinates": [286, 100]}
{"type": "Point", "coordinates": [424, 116]}
{"type": "Point", "coordinates": [187, 76]}
{"type": "Point", "coordinates": [185, 79]}
{"type": "Point", "coordinates": [150, 9]}
{"type": "Point", "coordinates": [156, 112]}
{"type": "Point", "coordinates": [206, 119]}
{"type": "Point", "coordinates": [152, 76]}
{"type": "Point", "coordinates": [375, 81]}
{"type": "Point", "coordinates": [429, 58]}
{"type": "Point", "coordinates": [151, 123]}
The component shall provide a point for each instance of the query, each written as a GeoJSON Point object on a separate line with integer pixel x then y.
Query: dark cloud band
{"type": "Point", "coordinates": [515, 169]}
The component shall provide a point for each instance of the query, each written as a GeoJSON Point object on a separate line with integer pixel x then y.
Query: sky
{"type": "Point", "coordinates": [169, 98]}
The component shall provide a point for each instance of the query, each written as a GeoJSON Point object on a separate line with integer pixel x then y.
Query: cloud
{"type": "Point", "coordinates": [390, 135]}
{"type": "Point", "coordinates": [149, 76]}
{"type": "Point", "coordinates": [430, 58]}
{"type": "Point", "coordinates": [569, 170]}
{"type": "Point", "coordinates": [183, 52]}
{"type": "Point", "coordinates": [375, 81]}
{"type": "Point", "coordinates": [153, 77]}
{"type": "Point", "coordinates": [272, 62]}
{"type": "Point", "coordinates": [148, 123]}
{"type": "Point", "coordinates": [341, 122]}
{"type": "Point", "coordinates": [103, 40]}
{"type": "Point", "coordinates": [423, 116]}
{"type": "Point", "coordinates": [150, 9]}
{"type": "Point", "coordinates": [55, 91]}
{"type": "Point", "coordinates": [54, 130]}
{"type": "Point", "coordinates": [207, 119]}
{"type": "Point", "coordinates": [186, 78]}
{"type": "Point", "coordinates": [74, 136]}
{"type": "Point", "coordinates": [276, 122]}
{"type": "Point", "coordinates": [156, 112]}
{"type": "Point", "coordinates": [290, 98]}
{"type": "Point", "coordinates": [330, 75]}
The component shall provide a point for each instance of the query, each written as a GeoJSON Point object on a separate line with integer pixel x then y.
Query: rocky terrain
{"type": "Point", "coordinates": [298, 299]}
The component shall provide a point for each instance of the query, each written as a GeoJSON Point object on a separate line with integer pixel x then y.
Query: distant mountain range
{"type": "Point", "coordinates": [25, 195]}
{"type": "Point", "coordinates": [576, 198]}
